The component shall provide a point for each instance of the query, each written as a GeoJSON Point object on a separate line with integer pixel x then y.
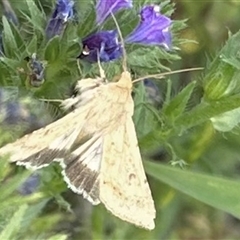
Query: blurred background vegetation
{"type": "Point", "coordinates": [189, 137]}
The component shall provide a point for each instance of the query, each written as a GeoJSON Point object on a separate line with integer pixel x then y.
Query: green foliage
{"type": "Point", "coordinates": [217, 192]}
{"type": "Point", "coordinates": [184, 130]}
{"type": "Point", "coordinates": [177, 105]}
{"type": "Point", "coordinates": [14, 224]}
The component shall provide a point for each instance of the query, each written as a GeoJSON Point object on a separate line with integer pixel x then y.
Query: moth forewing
{"type": "Point", "coordinates": [55, 138]}
{"type": "Point", "coordinates": [41, 140]}
{"type": "Point", "coordinates": [124, 189]}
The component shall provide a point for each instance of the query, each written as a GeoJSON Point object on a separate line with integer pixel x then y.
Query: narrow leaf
{"type": "Point", "coordinates": [37, 16]}
{"type": "Point", "coordinates": [144, 118]}
{"type": "Point", "coordinates": [178, 104]}
{"type": "Point", "coordinates": [14, 224]}
{"type": "Point", "coordinates": [217, 192]}
{"type": "Point", "coordinates": [8, 187]}
{"type": "Point", "coordinates": [52, 51]}
{"type": "Point", "coordinates": [9, 43]}
{"type": "Point", "coordinates": [204, 111]}
{"type": "Point", "coordinates": [59, 237]}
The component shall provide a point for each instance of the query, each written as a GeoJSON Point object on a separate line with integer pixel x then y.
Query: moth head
{"type": "Point", "coordinates": [125, 80]}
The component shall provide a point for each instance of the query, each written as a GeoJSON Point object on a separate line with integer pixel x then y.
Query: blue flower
{"type": "Point", "coordinates": [102, 44]}
{"type": "Point", "coordinates": [63, 11]}
{"type": "Point", "coordinates": [105, 7]}
{"type": "Point", "coordinates": [153, 28]}
{"type": "Point", "coordinates": [31, 185]}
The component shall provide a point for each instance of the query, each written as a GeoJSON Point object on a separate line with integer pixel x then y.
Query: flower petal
{"type": "Point", "coordinates": [104, 43]}
{"type": "Point", "coordinates": [30, 185]}
{"type": "Point", "coordinates": [105, 7]}
{"type": "Point", "coordinates": [153, 28]}
{"type": "Point", "coordinates": [64, 10]}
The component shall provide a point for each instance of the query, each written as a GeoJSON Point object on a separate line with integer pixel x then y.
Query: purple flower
{"type": "Point", "coordinates": [63, 11]}
{"type": "Point", "coordinates": [102, 44]}
{"type": "Point", "coordinates": [153, 28]}
{"type": "Point", "coordinates": [105, 7]}
{"type": "Point", "coordinates": [30, 185]}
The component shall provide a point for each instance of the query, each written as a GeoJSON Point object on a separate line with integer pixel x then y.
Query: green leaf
{"type": "Point", "coordinates": [52, 51]}
{"type": "Point", "coordinates": [177, 105]}
{"type": "Point", "coordinates": [9, 42]}
{"type": "Point", "coordinates": [139, 98]}
{"type": "Point", "coordinates": [204, 111]}
{"type": "Point", "coordinates": [69, 38]}
{"type": "Point", "coordinates": [227, 121]}
{"type": "Point", "coordinates": [12, 184]}
{"type": "Point", "coordinates": [230, 52]}
{"type": "Point", "coordinates": [31, 47]}
{"type": "Point", "coordinates": [14, 225]}
{"type": "Point", "coordinates": [144, 116]}
{"type": "Point", "coordinates": [10, 63]}
{"type": "Point", "coordinates": [148, 58]}
{"type": "Point", "coordinates": [31, 213]}
{"type": "Point", "coordinates": [14, 201]}
{"type": "Point", "coordinates": [73, 51]}
{"type": "Point", "coordinates": [217, 192]}
{"type": "Point", "coordinates": [37, 18]}
{"type": "Point", "coordinates": [222, 77]}
{"type": "Point", "coordinates": [18, 39]}
{"type": "Point", "coordinates": [87, 18]}
{"type": "Point", "coordinates": [4, 168]}
{"type": "Point", "coordinates": [59, 237]}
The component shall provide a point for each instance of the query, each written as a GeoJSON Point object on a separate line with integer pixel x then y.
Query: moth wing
{"type": "Point", "coordinates": [81, 168]}
{"type": "Point", "coordinates": [124, 189]}
{"type": "Point", "coordinates": [40, 147]}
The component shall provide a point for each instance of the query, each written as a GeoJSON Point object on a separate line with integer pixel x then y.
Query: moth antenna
{"type": "Point", "coordinates": [124, 63]}
{"type": "Point", "coordinates": [101, 71]}
{"type": "Point", "coordinates": [162, 75]}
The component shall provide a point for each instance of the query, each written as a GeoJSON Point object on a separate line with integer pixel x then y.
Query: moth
{"type": "Point", "coordinates": [97, 147]}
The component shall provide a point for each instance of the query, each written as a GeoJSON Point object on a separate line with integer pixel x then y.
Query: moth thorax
{"type": "Point", "coordinates": [125, 80]}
